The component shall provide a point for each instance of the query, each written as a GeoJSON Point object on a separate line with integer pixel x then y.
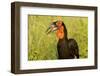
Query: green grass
{"type": "Point", "coordinates": [44, 47]}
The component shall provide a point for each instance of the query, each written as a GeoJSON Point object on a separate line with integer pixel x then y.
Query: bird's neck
{"type": "Point", "coordinates": [62, 33]}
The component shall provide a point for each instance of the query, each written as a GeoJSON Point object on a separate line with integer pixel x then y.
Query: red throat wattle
{"type": "Point", "coordinates": [60, 31]}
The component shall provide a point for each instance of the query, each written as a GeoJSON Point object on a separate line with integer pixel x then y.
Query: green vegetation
{"type": "Point", "coordinates": [44, 47]}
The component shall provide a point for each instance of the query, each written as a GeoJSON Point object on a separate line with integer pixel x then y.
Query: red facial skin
{"type": "Point", "coordinates": [60, 31]}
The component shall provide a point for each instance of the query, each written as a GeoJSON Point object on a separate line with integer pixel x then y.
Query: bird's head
{"type": "Point", "coordinates": [58, 27]}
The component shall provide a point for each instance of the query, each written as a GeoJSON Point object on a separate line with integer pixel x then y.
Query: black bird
{"type": "Point", "coordinates": [67, 48]}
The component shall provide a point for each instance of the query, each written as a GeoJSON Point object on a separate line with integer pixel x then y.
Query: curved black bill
{"type": "Point", "coordinates": [51, 29]}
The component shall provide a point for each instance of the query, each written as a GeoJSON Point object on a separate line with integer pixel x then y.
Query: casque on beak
{"type": "Point", "coordinates": [53, 27]}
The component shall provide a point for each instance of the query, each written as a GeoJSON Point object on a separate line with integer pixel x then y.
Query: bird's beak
{"type": "Point", "coordinates": [51, 28]}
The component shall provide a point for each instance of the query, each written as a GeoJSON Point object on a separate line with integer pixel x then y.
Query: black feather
{"type": "Point", "coordinates": [67, 48]}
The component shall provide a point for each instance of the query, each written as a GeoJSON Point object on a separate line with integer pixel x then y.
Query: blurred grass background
{"type": "Point", "coordinates": [44, 47]}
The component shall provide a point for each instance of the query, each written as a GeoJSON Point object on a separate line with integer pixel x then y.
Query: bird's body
{"type": "Point", "coordinates": [67, 48]}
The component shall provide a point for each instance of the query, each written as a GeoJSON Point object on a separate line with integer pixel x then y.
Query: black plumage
{"type": "Point", "coordinates": [67, 48]}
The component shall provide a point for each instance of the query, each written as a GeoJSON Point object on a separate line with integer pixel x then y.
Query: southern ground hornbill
{"type": "Point", "coordinates": [67, 48]}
